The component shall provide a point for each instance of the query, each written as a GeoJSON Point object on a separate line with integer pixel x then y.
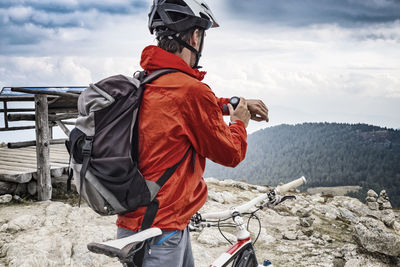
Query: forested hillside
{"type": "Point", "coordinates": [327, 154]}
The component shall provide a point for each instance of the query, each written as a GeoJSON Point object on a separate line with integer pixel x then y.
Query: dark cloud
{"type": "Point", "coordinates": [67, 6]}
{"type": "Point", "coordinates": [28, 22]}
{"type": "Point", "coordinates": [347, 13]}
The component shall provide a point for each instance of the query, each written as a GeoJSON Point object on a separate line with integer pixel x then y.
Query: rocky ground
{"type": "Point", "coordinates": [309, 231]}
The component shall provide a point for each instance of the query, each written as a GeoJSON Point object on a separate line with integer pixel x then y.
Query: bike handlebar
{"type": "Point", "coordinates": [221, 215]}
{"type": "Point", "coordinates": [293, 184]}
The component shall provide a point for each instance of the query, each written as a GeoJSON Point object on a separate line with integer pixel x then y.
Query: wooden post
{"type": "Point", "coordinates": [42, 148]}
{"type": "Point", "coordinates": [5, 114]}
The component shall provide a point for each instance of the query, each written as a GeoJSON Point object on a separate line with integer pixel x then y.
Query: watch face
{"type": "Point", "coordinates": [234, 101]}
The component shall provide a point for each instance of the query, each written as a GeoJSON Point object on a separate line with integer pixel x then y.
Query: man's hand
{"type": "Point", "coordinates": [241, 112]}
{"type": "Point", "coordinates": [258, 110]}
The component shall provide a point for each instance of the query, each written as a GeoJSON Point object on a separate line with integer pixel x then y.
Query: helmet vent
{"type": "Point", "coordinates": [175, 16]}
{"type": "Point", "coordinates": [205, 6]}
{"type": "Point", "coordinates": [204, 16]}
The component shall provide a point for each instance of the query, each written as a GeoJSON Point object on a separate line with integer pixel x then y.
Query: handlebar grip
{"type": "Point", "coordinates": [293, 184]}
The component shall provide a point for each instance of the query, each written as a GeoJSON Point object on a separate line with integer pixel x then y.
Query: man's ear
{"type": "Point", "coordinates": [195, 39]}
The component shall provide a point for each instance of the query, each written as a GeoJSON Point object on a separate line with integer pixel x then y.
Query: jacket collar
{"type": "Point", "coordinates": [154, 58]}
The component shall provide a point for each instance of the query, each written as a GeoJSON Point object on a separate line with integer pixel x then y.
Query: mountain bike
{"type": "Point", "coordinates": [240, 254]}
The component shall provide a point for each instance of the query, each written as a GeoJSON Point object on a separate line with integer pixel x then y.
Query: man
{"type": "Point", "coordinates": [177, 112]}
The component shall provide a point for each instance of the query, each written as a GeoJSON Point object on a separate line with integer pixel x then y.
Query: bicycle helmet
{"type": "Point", "coordinates": [169, 18]}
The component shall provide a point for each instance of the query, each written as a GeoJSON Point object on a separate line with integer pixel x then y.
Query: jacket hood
{"type": "Point", "coordinates": [154, 58]}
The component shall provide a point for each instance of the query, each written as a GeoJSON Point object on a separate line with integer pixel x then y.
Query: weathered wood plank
{"type": "Point", "coordinates": [21, 169]}
{"type": "Point", "coordinates": [33, 149]}
{"type": "Point", "coordinates": [27, 164]}
{"type": "Point", "coordinates": [29, 152]}
{"type": "Point", "coordinates": [59, 159]}
{"type": "Point", "coordinates": [20, 157]}
{"type": "Point", "coordinates": [29, 160]}
{"type": "Point", "coordinates": [42, 148]}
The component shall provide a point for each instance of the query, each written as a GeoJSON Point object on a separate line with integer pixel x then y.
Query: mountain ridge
{"type": "Point", "coordinates": [327, 154]}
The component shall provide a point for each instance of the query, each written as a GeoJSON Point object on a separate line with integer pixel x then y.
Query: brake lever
{"type": "Point", "coordinates": [274, 198]}
{"type": "Point", "coordinates": [287, 197]}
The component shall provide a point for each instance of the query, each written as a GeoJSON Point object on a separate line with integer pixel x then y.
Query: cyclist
{"type": "Point", "coordinates": [178, 111]}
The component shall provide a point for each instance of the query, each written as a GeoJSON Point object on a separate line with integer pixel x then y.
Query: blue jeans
{"type": "Point", "coordinates": [172, 248]}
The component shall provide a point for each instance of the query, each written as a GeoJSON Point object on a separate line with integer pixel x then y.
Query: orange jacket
{"type": "Point", "coordinates": [177, 111]}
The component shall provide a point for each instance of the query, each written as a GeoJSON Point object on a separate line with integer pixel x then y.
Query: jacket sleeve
{"type": "Point", "coordinates": [210, 136]}
{"type": "Point", "coordinates": [221, 102]}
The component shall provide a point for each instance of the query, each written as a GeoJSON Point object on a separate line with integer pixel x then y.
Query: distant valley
{"type": "Point", "coordinates": [327, 154]}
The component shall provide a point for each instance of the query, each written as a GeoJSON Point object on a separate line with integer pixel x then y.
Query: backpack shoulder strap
{"type": "Point", "coordinates": [156, 74]}
{"type": "Point", "coordinates": [152, 208]}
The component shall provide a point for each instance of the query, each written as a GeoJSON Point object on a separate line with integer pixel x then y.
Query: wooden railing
{"type": "Point", "coordinates": [51, 108]}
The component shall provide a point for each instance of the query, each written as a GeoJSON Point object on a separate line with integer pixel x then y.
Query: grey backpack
{"type": "Point", "coordinates": [104, 148]}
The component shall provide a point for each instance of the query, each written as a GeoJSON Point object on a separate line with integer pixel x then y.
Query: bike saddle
{"type": "Point", "coordinates": [122, 248]}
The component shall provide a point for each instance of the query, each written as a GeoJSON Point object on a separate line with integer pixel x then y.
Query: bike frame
{"type": "Point", "coordinates": [233, 253]}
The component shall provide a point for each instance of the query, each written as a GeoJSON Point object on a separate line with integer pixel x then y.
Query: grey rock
{"type": "Point", "coordinates": [215, 196]}
{"type": "Point", "coordinates": [373, 205]}
{"type": "Point", "coordinates": [360, 261]}
{"type": "Point", "coordinates": [17, 199]}
{"type": "Point", "coordinates": [306, 222]}
{"type": "Point", "coordinates": [331, 212]}
{"type": "Point", "coordinates": [354, 205]}
{"type": "Point", "coordinates": [347, 216]}
{"type": "Point", "coordinates": [211, 180]}
{"type": "Point", "coordinates": [317, 198]}
{"type": "Point", "coordinates": [388, 218]}
{"type": "Point", "coordinates": [317, 241]}
{"type": "Point", "coordinates": [237, 184]}
{"type": "Point", "coordinates": [383, 200]}
{"type": "Point", "coordinates": [370, 199]}
{"type": "Point", "coordinates": [289, 235]}
{"type": "Point", "coordinates": [383, 195]}
{"type": "Point", "coordinates": [372, 193]}
{"type": "Point", "coordinates": [265, 238]}
{"type": "Point", "coordinates": [386, 205]}
{"type": "Point", "coordinates": [396, 227]}
{"type": "Point", "coordinates": [302, 236]}
{"type": "Point", "coordinates": [32, 187]}
{"type": "Point", "coordinates": [21, 189]}
{"type": "Point", "coordinates": [338, 262]}
{"type": "Point", "coordinates": [308, 231]}
{"type": "Point", "coordinates": [304, 212]}
{"type": "Point", "coordinates": [7, 187]}
{"type": "Point", "coordinates": [5, 198]}
{"type": "Point", "coordinates": [376, 214]}
{"type": "Point", "coordinates": [374, 236]}
{"type": "Point", "coordinates": [212, 238]}
{"type": "Point", "coordinates": [327, 238]}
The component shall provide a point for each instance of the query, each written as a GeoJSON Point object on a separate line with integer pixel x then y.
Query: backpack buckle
{"type": "Point", "coordinates": [87, 146]}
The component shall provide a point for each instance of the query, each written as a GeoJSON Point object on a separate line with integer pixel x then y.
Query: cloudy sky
{"type": "Point", "coordinates": [309, 60]}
